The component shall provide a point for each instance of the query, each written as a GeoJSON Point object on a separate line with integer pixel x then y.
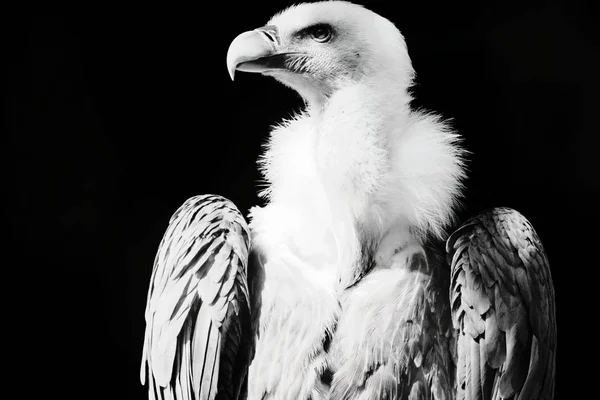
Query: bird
{"type": "Point", "coordinates": [354, 280]}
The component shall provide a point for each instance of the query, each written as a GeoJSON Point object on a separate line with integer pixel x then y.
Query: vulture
{"type": "Point", "coordinates": [354, 281]}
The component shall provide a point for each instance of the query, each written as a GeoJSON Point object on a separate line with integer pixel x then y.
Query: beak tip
{"type": "Point", "coordinates": [231, 65]}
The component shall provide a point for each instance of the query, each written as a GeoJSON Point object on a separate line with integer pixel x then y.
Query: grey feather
{"type": "Point", "coordinates": [502, 308]}
{"type": "Point", "coordinates": [199, 305]}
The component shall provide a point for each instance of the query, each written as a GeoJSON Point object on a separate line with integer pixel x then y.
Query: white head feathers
{"type": "Point", "coordinates": [364, 47]}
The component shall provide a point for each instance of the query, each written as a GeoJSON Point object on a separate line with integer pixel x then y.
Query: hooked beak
{"type": "Point", "coordinates": [257, 51]}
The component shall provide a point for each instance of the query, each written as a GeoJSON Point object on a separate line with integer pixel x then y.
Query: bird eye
{"type": "Point", "coordinates": [321, 33]}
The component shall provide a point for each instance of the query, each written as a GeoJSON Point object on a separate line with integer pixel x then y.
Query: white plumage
{"type": "Point", "coordinates": [365, 157]}
{"type": "Point", "coordinates": [344, 295]}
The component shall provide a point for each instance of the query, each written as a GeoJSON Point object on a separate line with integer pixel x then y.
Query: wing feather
{"type": "Point", "coordinates": [503, 309]}
{"type": "Point", "coordinates": [198, 338]}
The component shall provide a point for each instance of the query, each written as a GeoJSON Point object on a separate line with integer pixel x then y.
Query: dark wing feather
{"type": "Point", "coordinates": [503, 311]}
{"type": "Point", "coordinates": [198, 342]}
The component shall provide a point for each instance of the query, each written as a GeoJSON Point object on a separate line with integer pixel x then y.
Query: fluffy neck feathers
{"type": "Point", "coordinates": [358, 167]}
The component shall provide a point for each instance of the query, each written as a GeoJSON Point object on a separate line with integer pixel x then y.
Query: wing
{"type": "Point", "coordinates": [198, 321]}
{"type": "Point", "coordinates": [502, 301]}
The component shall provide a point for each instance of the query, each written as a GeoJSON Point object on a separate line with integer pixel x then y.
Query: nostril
{"type": "Point", "coordinates": [270, 36]}
{"type": "Point", "coordinates": [270, 33]}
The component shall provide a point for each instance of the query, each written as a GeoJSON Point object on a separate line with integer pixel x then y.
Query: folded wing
{"type": "Point", "coordinates": [198, 321]}
{"type": "Point", "coordinates": [503, 311]}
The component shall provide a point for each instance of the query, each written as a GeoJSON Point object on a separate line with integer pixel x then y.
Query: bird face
{"type": "Point", "coordinates": [318, 48]}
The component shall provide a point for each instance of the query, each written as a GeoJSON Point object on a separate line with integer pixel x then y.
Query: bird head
{"type": "Point", "coordinates": [318, 48]}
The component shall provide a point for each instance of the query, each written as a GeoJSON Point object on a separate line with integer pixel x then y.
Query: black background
{"type": "Point", "coordinates": [116, 116]}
